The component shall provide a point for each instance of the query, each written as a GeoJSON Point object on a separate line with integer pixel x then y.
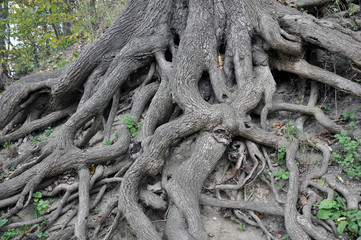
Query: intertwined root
{"type": "Point", "coordinates": [193, 70]}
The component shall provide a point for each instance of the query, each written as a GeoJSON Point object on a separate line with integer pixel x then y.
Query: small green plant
{"type": "Point", "coordinates": [280, 156]}
{"type": "Point", "coordinates": [281, 153]}
{"type": "Point", "coordinates": [35, 140]}
{"type": "Point", "coordinates": [242, 227]}
{"type": "Point", "coordinates": [349, 115]}
{"type": "Point", "coordinates": [48, 131]}
{"type": "Point", "coordinates": [41, 224]}
{"type": "Point", "coordinates": [61, 63]}
{"type": "Point", "coordinates": [286, 237]}
{"type": "Point", "coordinates": [3, 222]}
{"type": "Point", "coordinates": [5, 144]}
{"type": "Point", "coordinates": [293, 132]}
{"type": "Point", "coordinates": [336, 210]}
{"type": "Point", "coordinates": [352, 11]}
{"type": "Point", "coordinates": [43, 235]}
{"type": "Point", "coordinates": [13, 232]}
{"type": "Point", "coordinates": [300, 7]}
{"type": "Point", "coordinates": [335, 6]}
{"type": "Point", "coordinates": [353, 27]}
{"type": "Point", "coordinates": [280, 160]}
{"type": "Point", "coordinates": [323, 107]}
{"type": "Point", "coordinates": [302, 10]}
{"type": "Point", "coordinates": [283, 174]}
{"type": "Point", "coordinates": [353, 124]}
{"type": "Point", "coordinates": [96, 210]}
{"type": "Point", "coordinates": [39, 205]}
{"type": "Point", "coordinates": [348, 156]}
{"type": "Point", "coordinates": [131, 125]}
{"type": "Point", "coordinates": [109, 143]}
{"type": "Point", "coordinates": [2, 175]}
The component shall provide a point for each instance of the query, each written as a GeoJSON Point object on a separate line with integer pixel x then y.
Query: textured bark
{"type": "Point", "coordinates": [189, 69]}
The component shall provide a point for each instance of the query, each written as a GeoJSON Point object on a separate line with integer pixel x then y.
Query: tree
{"type": "Point", "coordinates": [39, 30]}
{"type": "Point", "coordinates": [203, 67]}
{"type": "Point", "coordinates": [4, 74]}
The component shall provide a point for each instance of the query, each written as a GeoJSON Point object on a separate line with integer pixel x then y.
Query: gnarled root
{"type": "Point", "coordinates": [190, 71]}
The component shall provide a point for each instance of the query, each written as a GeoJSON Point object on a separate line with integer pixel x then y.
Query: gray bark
{"type": "Point", "coordinates": [189, 68]}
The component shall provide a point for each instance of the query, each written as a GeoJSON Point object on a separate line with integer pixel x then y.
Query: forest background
{"type": "Point", "coordinates": [34, 33]}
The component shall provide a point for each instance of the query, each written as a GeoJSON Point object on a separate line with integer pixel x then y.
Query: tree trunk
{"type": "Point", "coordinates": [4, 68]}
{"type": "Point", "coordinates": [195, 69]}
{"type": "Point", "coordinates": [66, 26]}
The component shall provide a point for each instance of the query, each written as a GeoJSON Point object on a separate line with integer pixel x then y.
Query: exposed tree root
{"type": "Point", "coordinates": [190, 71]}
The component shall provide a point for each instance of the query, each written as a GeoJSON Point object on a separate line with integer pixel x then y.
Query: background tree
{"type": "Point", "coordinates": [4, 75]}
{"type": "Point", "coordinates": [40, 30]}
{"type": "Point", "coordinates": [195, 68]}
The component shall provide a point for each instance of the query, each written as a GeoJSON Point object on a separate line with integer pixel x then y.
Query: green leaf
{"type": "Point", "coordinates": [75, 55]}
{"type": "Point", "coordinates": [352, 226]}
{"type": "Point", "coordinates": [335, 215]}
{"type": "Point", "coordinates": [131, 125]}
{"type": "Point", "coordinates": [325, 213]}
{"type": "Point", "coordinates": [3, 222]}
{"type": "Point", "coordinates": [276, 174]}
{"type": "Point", "coordinates": [358, 216]}
{"type": "Point", "coordinates": [285, 175]}
{"type": "Point", "coordinates": [37, 195]}
{"type": "Point", "coordinates": [340, 202]}
{"type": "Point", "coordinates": [341, 227]}
{"type": "Point", "coordinates": [327, 203]}
{"type": "Point", "coordinates": [53, 8]}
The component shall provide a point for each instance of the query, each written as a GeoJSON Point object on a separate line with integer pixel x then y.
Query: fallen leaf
{"type": "Point", "coordinates": [341, 219]}
{"type": "Point", "coordinates": [340, 178]}
{"type": "Point", "coordinates": [92, 169]}
{"type": "Point", "coordinates": [220, 62]}
{"type": "Point", "coordinates": [292, 4]}
{"type": "Point", "coordinates": [258, 214]}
